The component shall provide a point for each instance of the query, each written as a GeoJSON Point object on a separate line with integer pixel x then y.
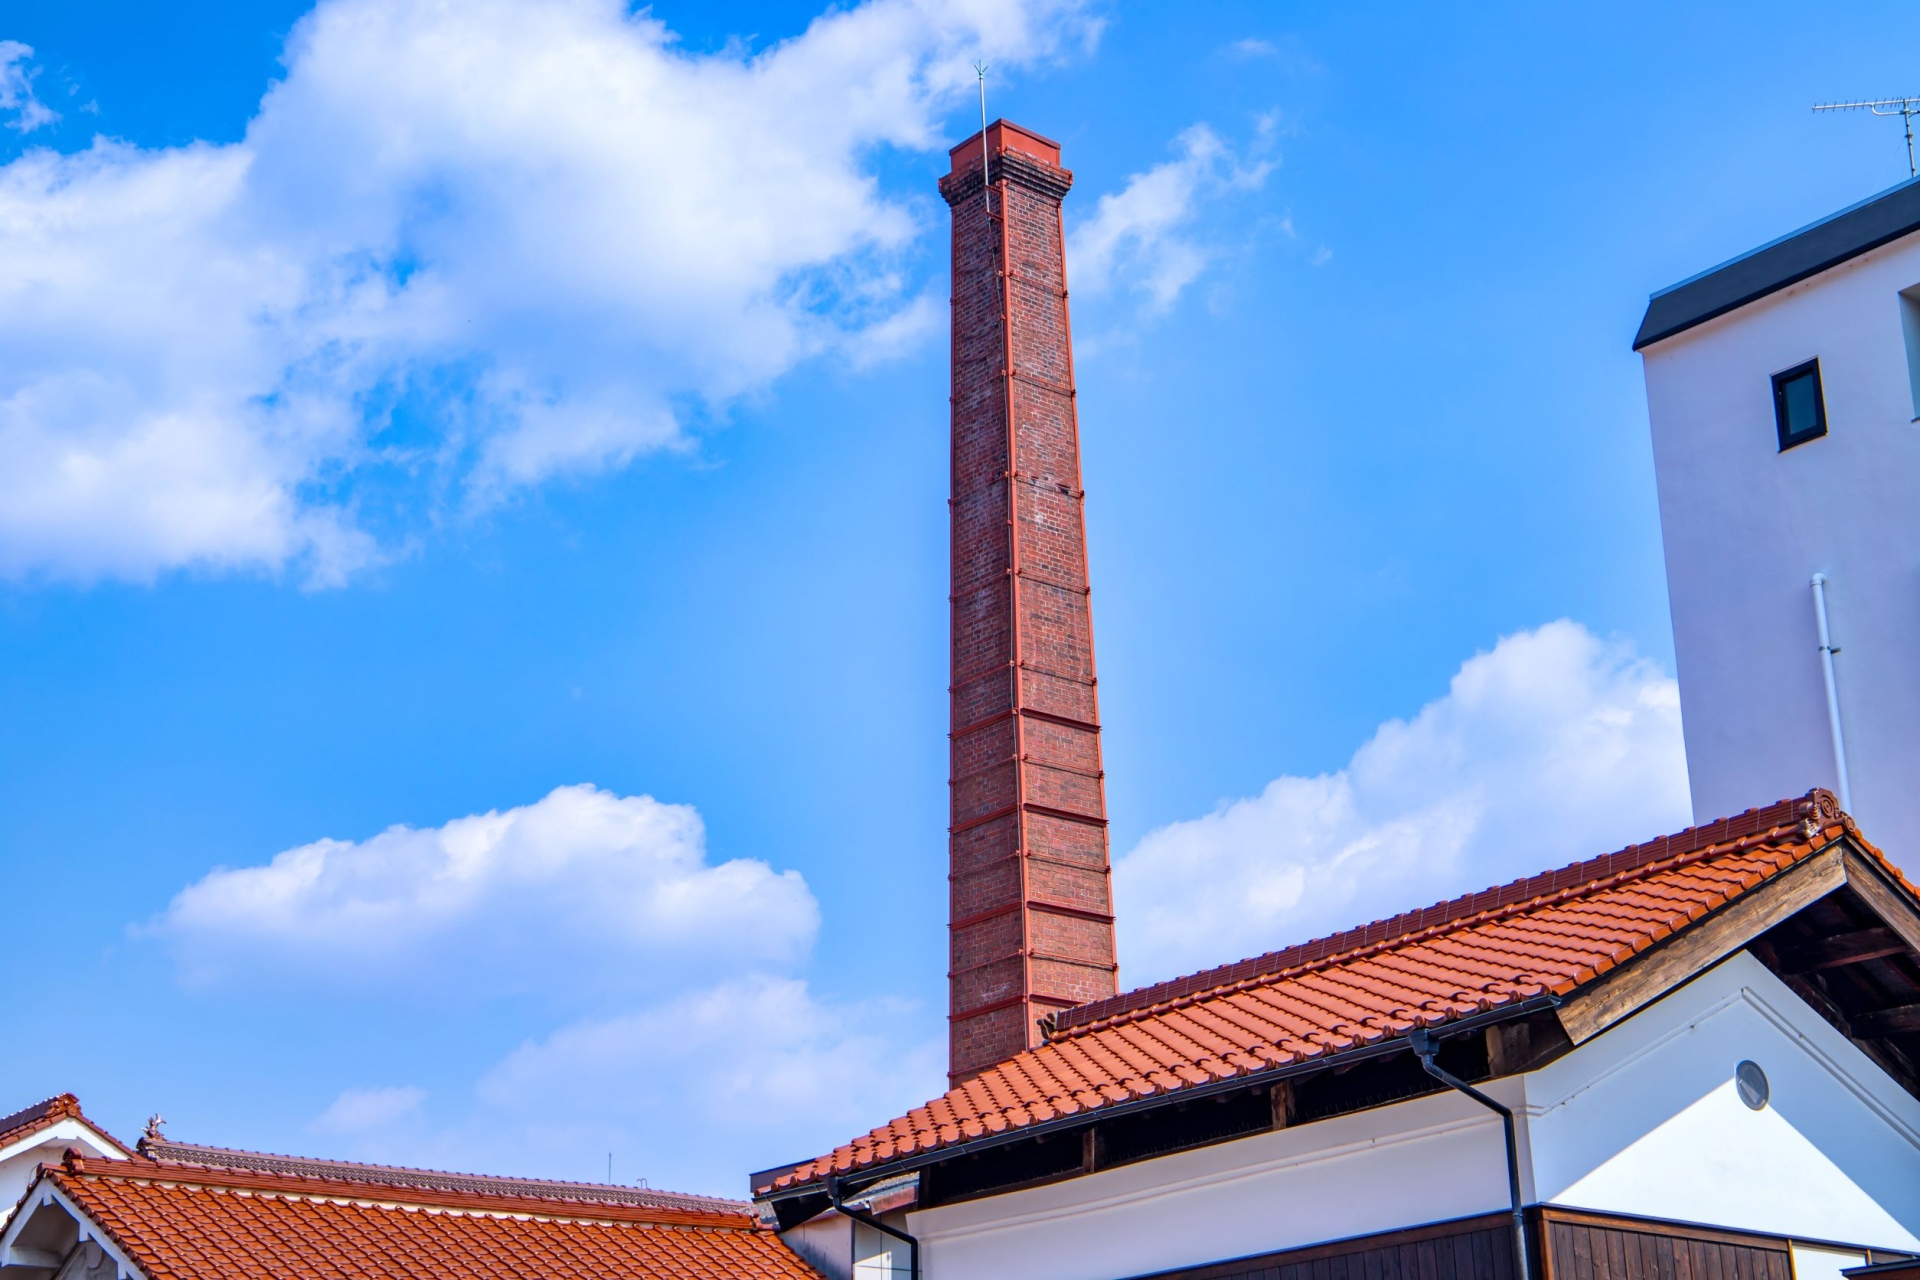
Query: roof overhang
{"type": "Point", "coordinates": [1875, 221]}
{"type": "Point", "coordinates": [877, 1172]}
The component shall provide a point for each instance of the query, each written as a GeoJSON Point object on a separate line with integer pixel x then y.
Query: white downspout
{"type": "Point", "coordinates": [1833, 694]}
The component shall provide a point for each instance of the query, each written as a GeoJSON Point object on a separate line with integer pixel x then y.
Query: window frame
{"type": "Point", "coordinates": [1789, 440]}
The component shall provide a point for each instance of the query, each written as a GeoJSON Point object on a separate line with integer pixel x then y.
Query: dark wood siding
{"type": "Point", "coordinates": [1590, 1249]}
{"type": "Point", "coordinates": [1474, 1249]}
{"type": "Point", "coordinates": [1578, 1246]}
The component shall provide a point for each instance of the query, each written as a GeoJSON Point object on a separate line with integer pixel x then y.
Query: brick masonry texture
{"type": "Point", "coordinates": [1031, 909]}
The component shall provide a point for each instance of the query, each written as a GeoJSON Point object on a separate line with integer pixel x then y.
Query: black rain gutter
{"type": "Point", "coordinates": [1424, 1044]}
{"type": "Point", "coordinates": [861, 1215]}
{"type": "Point", "coordinates": [1232, 1084]}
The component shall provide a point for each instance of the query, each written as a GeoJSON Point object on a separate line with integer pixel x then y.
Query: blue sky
{"type": "Point", "coordinates": [568, 410]}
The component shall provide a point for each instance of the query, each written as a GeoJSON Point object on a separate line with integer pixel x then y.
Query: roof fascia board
{"type": "Point", "coordinates": [44, 1192]}
{"type": "Point", "coordinates": [1782, 263]}
{"type": "Point", "coordinates": [1190, 1093]}
{"type": "Point", "coordinates": [1695, 948]}
{"type": "Point", "coordinates": [1895, 906]}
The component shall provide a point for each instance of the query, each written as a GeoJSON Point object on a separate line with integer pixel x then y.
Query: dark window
{"type": "Point", "coordinates": [1799, 410]}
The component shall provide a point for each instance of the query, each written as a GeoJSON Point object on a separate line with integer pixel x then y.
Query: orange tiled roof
{"type": "Point", "coordinates": [1544, 935]}
{"type": "Point", "coordinates": [44, 1115]}
{"type": "Point", "coordinates": [195, 1222]}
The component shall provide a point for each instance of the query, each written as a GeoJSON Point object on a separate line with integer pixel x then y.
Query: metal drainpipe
{"type": "Point", "coordinates": [861, 1215]}
{"type": "Point", "coordinates": [1833, 693]}
{"type": "Point", "coordinates": [1423, 1044]}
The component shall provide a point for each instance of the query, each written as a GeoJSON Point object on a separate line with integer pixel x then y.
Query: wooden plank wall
{"type": "Point", "coordinates": [1578, 1246]}
{"type": "Point", "coordinates": [1480, 1250]}
{"type": "Point", "coordinates": [1591, 1251]}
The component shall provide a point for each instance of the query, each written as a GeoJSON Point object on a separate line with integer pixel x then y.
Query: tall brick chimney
{"type": "Point", "coordinates": [1031, 914]}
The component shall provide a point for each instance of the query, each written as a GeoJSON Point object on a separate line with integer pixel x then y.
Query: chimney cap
{"type": "Point", "coordinates": [1004, 135]}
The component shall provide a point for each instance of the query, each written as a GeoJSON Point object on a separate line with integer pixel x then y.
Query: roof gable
{"type": "Point", "coordinates": [41, 1116]}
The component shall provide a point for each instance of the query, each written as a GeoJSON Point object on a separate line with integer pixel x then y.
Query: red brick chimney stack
{"type": "Point", "coordinates": [1031, 923]}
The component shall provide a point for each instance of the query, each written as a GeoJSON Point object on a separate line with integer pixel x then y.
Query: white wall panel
{"type": "Point", "coordinates": [1419, 1161]}
{"type": "Point", "coordinates": [1645, 1120]}
{"type": "Point", "coordinates": [1745, 527]}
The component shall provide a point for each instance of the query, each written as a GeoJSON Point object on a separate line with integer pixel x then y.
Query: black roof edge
{"type": "Point", "coordinates": [1232, 1084]}
{"type": "Point", "coordinates": [1879, 219]}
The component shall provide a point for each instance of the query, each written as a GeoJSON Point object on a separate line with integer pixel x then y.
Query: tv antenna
{"type": "Point", "coordinates": [1905, 108]}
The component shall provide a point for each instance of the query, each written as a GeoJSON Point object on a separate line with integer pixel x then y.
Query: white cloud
{"type": "Point", "coordinates": [691, 1092]}
{"type": "Point", "coordinates": [702, 1089]}
{"type": "Point", "coordinates": [1553, 747]}
{"type": "Point", "coordinates": [361, 1111]}
{"type": "Point", "coordinates": [582, 883]}
{"type": "Point", "coordinates": [1137, 238]}
{"type": "Point", "coordinates": [473, 246]}
{"type": "Point", "coordinates": [17, 98]}
{"type": "Point", "coordinates": [717, 1061]}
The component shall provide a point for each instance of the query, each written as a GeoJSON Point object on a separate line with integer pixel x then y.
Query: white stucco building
{"type": "Point", "coordinates": [1784, 393]}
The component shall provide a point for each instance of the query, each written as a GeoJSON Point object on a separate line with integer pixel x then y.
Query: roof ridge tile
{"type": "Point", "coordinates": [166, 1151]}
{"type": "Point", "coordinates": [1518, 906]}
{"type": "Point", "coordinates": [143, 1169]}
{"type": "Point", "coordinates": [1584, 874]}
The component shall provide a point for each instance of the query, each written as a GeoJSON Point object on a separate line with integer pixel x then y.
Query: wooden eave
{"type": "Point", "coordinates": [1836, 929]}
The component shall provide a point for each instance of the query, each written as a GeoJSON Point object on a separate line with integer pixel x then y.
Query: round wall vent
{"type": "Point", "coordinates": [1751, 1081]}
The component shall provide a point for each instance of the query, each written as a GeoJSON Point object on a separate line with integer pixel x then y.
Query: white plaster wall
{"type": "Point", "coordinates": [1746, 526]}
{"type": "Point", "coordinates": [879, 1256]}
{"type": "Point", "coordinates": [1823, 1264]}
{"type": "Point", "coordinates": [840, 1248]}
{"type": "Point", "coordinates": [1424, 1160]}
{"type": "Point", "coordinates": [19, 1162]}
{"type": "Point", "coordinates": [824, 1243]}
{"type": "Point", "coordinates": [1646, 1120]}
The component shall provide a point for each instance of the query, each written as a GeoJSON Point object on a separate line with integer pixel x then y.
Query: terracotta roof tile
{"type": "Point", "coordinates": [196, 1222]}
{"type": "Point", "coordinates": [1546, 934]}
